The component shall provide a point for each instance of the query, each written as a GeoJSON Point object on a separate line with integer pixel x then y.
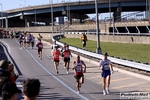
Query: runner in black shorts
{"type": "Point", "coordinates": [67, 54]}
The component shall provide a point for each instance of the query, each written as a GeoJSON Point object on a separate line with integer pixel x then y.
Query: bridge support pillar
{"type": "Point", "coordinates": [117, 14]}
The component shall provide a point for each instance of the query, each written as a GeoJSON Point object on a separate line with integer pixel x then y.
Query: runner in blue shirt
{"type": "Point", "coordinates": [107, 69]}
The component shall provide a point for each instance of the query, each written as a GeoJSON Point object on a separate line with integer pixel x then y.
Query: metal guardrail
{"type": "Point", "coordinates": [131, 64]}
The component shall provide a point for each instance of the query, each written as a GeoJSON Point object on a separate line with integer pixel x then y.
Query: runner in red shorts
{"type": "Point", "coordinates": [79, 68]}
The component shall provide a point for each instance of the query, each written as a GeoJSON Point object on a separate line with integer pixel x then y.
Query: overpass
{"type": "Point", "coordinates": [78, 10]}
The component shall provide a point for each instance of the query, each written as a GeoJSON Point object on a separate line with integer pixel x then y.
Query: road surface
{"type": "Point", "coordinates": [62, 86]}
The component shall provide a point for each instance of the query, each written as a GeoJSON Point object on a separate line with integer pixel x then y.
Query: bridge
{"type": "Point", "coordinates": [78, 10]}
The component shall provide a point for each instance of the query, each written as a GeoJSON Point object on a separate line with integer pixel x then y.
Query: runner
{"type": "Point", "coordinates": [67, 55]}
{"type": "Point", "coordinates": [53, 47]}
{"type": "Point", "coordinates": [40, 47]}
{"type": "Point", "coordinates": [56, 57]}
{"type": "Point", "coordinates": [105, 66]}
{"type": "Point", "coordinates": [27, 41]}
{"type": "Point", "coordinates": [32, 41]}
{"type": "Point", "coordinates": [62, 52]}
{"type": "Point", "coordinates": [20, 40]}
{"type": "Point", "coordinates": [78, 75]}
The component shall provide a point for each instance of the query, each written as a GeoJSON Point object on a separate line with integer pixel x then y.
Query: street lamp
{"type": "Point", "coordinates": [2, 13]}
{"type": "Point", "coordinates": [98, 50]}
{"type": "Point", "coordinates": [68, 9]}
{"type": "Point", "coordinates": [52, 15]}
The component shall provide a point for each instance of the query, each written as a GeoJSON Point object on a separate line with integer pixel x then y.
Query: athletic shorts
{"type": "Point", "coordinates": [39, 50]}
{"type": "Point", "coordinates": [56, 60]}
{"type": "Point", "coordinates": [20, 42]}
{"type": "Point", "coordinates": [66, 59]}
{"type": "Point", "coordinates": [78, 76]}
{"type": "Point", "coordinates": [105, 73]}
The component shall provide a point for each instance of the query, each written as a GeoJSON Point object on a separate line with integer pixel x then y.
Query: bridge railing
{"type": "Point", "coordinates": [127, 63]}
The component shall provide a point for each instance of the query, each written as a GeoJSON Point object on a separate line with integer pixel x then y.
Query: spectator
{"type": "Point", "coordinates": [31, 89]}
{"type": "Point", "coordinates": [40, 37]}
{"type": "Point", "coordinates": [10, 91]}
{"type": "Point", "coordinates": [84, 39]}
{"type": "Point", "coordinates": [13, 75]}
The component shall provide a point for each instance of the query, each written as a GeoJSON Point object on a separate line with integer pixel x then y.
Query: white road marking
{"type": "Point", "coordinates": [56, 77]}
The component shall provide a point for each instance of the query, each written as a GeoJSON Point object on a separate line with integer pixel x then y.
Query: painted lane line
{"type": "Point", "coordinates": [56, 77]}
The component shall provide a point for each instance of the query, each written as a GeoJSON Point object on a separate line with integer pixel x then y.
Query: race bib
{"type": "Point", "coordinates": [78, 69]}
{"type": "Point", "coordinates": [106, 67]}
{"type": "Point", "coordinates": [40, 46]}
{"type": "Point", "coordinates": [56, 56]}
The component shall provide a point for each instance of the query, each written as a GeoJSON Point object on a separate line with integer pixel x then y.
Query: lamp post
{"type": "Point", "coordinates": [98, 50]}
{"type": "Point", "coordinates": [52, 15]}
{"type": "Point", "coordinates": [68, 12]}
{"type": "Point", "coordinates": [2, 13]}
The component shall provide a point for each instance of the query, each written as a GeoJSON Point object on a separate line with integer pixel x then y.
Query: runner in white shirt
{"type": "Point", "coordinates": [53, 47]}
{"type": "Point", "coordinates": [27, 41]}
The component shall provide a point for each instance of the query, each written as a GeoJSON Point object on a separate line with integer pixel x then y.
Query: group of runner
{"type": "Point", "coordinates": [27, 39]}
{"type": "Point", "coordinates": [79, 66]}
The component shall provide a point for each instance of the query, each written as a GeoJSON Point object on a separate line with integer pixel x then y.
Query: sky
{"type": "Point", "coordinates": [13, 4]}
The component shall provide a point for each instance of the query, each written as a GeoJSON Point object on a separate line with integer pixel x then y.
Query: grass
{"type": "Point", "coordinates": [135, 52]}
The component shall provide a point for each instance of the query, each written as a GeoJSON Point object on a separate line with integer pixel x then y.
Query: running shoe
{"type": "Point", "coordinates": [104, 92]}
{"type": "Point", "coordinates": [78, 92]}
{"type": "Point", "coordinates": [107, 90]}
{"type": "Point", "coordinates": [67, 72]}
{"type": "Point", "coordinates": [57, 72]}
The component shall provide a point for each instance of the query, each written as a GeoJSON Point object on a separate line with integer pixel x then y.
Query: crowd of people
{"type": "Point", "coordinates": [8, 88]}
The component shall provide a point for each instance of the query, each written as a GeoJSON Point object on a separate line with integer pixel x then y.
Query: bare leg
{"type": "Point", "coordinates": [77, 85]}
{"type": "Point", "coordinates": [104, 83]}
{"type": "Point", "coordinates": [108, 84]}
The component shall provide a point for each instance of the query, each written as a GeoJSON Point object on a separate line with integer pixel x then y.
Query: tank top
{"type": "Point", "coordinates": [56, 55]}
{"type": "Point", "coordinates": [67, 53]}
{"type": "Point", "coordinates": [40, 45]}
{"type": "Point", "coordinates": [78, 68]}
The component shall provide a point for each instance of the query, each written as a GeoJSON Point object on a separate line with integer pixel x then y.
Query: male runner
{"type": "Point", "coordinates": [20, 40]}
{"type": "Point", "coordinates": [78, 72]}
{"type": "Point", "coordinates": [56, 57]}
{"type": "Point", "coordinates": [67, 54]}
{"type": "Point", "coordinates": [105, 66]}
{"type": "Point", "coordinates": [40, 47]}
{"type": "Point", "coordinates": [53, 47]}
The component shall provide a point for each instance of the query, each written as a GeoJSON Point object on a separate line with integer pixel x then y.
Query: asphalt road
{"type": "Point", "coordinates": [62, 86]}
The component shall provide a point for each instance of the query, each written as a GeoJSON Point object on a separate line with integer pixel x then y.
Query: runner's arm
{"type": "Point", "coordinates": [111, 66]}
{"type": "Point", "coordinates": [99, 67]}
{"type": "Point", "coordinates": [84, 66]}
{"type": "Point", "coordinates": [73, 65]}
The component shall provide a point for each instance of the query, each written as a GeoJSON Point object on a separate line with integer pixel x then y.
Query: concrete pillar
{"type": "Point", "coordinates": [61, 20]}
{"type": "Point", "coordinates": [117, 14]}
{"type": "Point", "coordinates": [6, 23]}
